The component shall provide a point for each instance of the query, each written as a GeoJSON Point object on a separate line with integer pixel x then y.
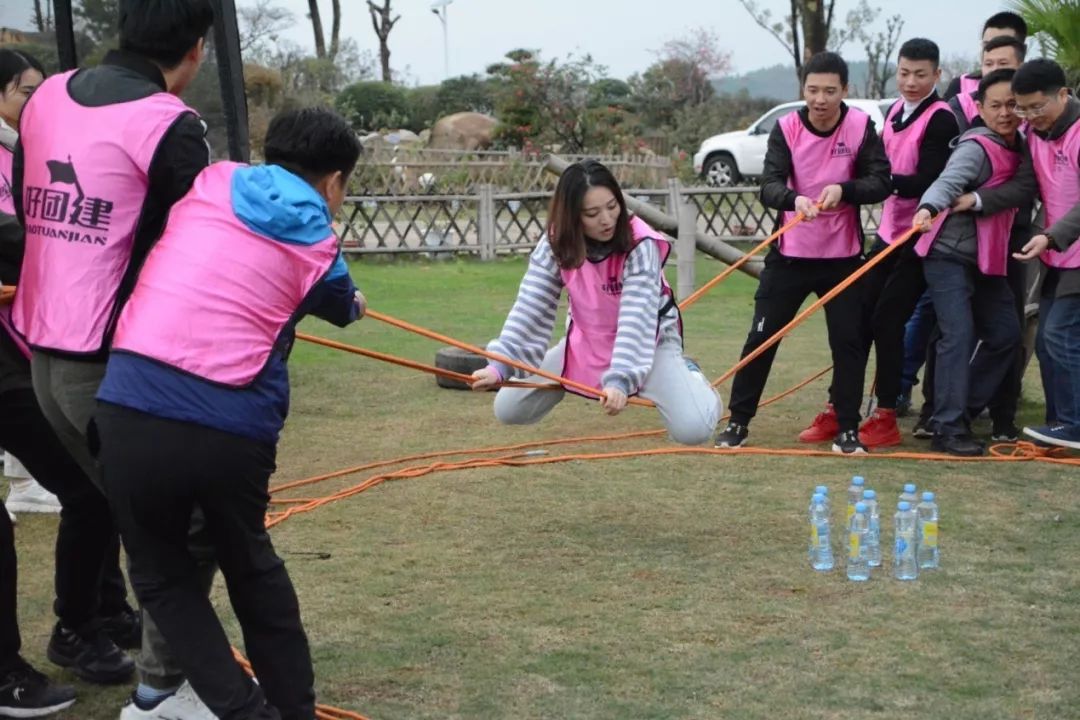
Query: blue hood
{"type": "Point", "coordinates": [276, 203]}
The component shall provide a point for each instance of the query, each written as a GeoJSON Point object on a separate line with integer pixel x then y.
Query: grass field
{"type": "Point", "coordinates": [667, 587]}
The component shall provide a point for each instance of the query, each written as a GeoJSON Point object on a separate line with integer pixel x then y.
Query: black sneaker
{"type": "Point", "coordinates": [1005, 433]}
{"type": "Point", "coordinates": [923, 429]}
{"type": "Point", "coordinates": [90, 654]}
{"type": "Point", "coordinates": [959, 445]}
{"type": "Point", "coordinates": [26, 693]}
{"type": "Point", "coordinates": [847, 443]}
{"type": "Point", "coordinates": [124, 628]}
{"type": "Point", "coordinates": [734, 436]}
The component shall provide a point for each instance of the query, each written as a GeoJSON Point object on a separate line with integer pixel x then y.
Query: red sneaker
{"type": "Point", "coordinates": [824, 428]}
{"type": "Point", "coordinates": [880, 429]}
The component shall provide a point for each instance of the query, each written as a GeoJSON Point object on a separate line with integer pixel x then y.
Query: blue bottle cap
{"type": "Point", "coordinates": [818, 499]}
{"type": "Point", "coordinates": [857, 480]}
{"type": "Point", "coordinates": [860, 506]}
{"type": "Point", "coordinates": [823, 489]}
{"type": "Point", "coordinates": [928, 496]}
{"type": "Point", "coordinates": [903, 506]}
{"type": "Point", "coordinates": [909, 488]}
{"type": "Point", "coordinates": [869, 494]}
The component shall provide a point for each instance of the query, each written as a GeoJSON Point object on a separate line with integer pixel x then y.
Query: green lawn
{"type": "Point", "coordinates": [666, 587]}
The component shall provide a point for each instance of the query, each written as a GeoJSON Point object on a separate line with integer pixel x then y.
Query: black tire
{"type": "Point", "coordinates": [721, 171]}
{"type": "Point", "coordinates": [457, 360]}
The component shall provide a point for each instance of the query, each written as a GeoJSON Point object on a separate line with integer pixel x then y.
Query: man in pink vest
{"type": "Point", "coordinates": [998, 24]}
{"type": "Point", "coordinates": [1043, 98]}
{"type": "Point", "coordinates": [1001, 52]}
{"type": "Point", "coordinates": [966, 256]}
{"type": "Point", "coordinates": [207, 370]}
{"type": "Point", "coordinates": [103, 155]}
{"type": "Point", "coordinates": [824, 161]}
{"type": "Point", "coordinates": [919, 129]}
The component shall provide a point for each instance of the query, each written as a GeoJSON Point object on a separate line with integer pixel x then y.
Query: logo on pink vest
{"type": "Point", "coordinates": [228, 335]}
{"type": "Point", "coordinates": [1058, 170]}
{"type": "Point", "coordinates": [992, 231]}
{"type": "Point", "coordinates": [85, 182]}
{"type": "Point", "coordinates": [817, 162]}
{"type": "Point", "coordinates": [595, 291]}
{"type": "Point", "coordinates": [903, 150]}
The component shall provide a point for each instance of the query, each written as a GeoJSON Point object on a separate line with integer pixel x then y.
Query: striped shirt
{"type": "Point", "coordinates": [528, 328]}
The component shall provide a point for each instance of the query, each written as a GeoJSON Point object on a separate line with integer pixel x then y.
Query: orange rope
{"type": "Point", "coordinates": [817, 305]}
{"type": "Point", "coordinates": [412, 364]}
{"type": "Point", "coordinates": [431, 334]}
{"type": "Point", "coordinates": [700, 292]}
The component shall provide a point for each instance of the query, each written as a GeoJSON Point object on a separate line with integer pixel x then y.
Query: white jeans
{"type": "Point", "coordinates": [687, 403]}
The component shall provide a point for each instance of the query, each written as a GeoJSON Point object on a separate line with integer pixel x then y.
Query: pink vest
{"type": "Point", "coordinates": [7, 203]}
{"type": "Point", "coordinates": [992, 231]}
{"type": "Point", "coordinates": [817, 162]}
{"type": "Point", "coordinates": [1059, 184]}
{"type": "Point", "coordinates": [595, 291]}
{"type": "Point", "coordinates": [968, 106]}
{"type": "Point", "coordinates": [84, 187]}
{"type": "Point", "coordinates": [968, 84]}
{"type": "Point", "coordinates": [214, 296]}
{"type": "Point", "coordinates": [903, 151]}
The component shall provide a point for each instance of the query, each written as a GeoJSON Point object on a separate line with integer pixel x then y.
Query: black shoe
{"type": "Point", "coordinates": [903, 406]}
{"type": "Point", "coordinates": [90, 654]}
{"type": "Point", "coordinates": [26, 693]}
{"type": "Point", "coordinates": [847, 443]}
{"type": "Point", "coordinates": [923, 429]}
{"type": "Point", "coordinates": [1005, 433]}
{"type": "Point", "coordinates": [734, 436]}
{"type": "Point", "coordinates": [124, 628]}
{"type": "Point", "coordinates": [959, 445]}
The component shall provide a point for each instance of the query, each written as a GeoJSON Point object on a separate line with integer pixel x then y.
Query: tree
{"type": "Point", "coordinates": [806, 30]}
{"type": "Point", "coordinates": [373, 105]}
{"type": "Point", "coordinates": [98, 19]}
{"type": "Point", "coordinates": [317, 28]}
{"type": "Point", "coordinates": [261, 25]}
{"type": "Point", "coordinates": [383, 24]}
{"type": "Point", "coordinates": [681, 77]}
{"type": "Point", "coordinates": [43, 17]}
{"type": "Point", "coordinates": [1057, 25]}
{"type": "Point", "coordinates": [879, 46]}
{"type": "Point", "coordinates": [466, 93]}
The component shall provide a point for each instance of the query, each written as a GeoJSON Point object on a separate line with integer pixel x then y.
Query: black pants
{"type": "Point", "coordinates": [891, 290]}
{"type": "Point", "coordinates": [10, 642]}
{"type": "Point", "coordinates": [784, 284]}
{"type": "Point", "coordinates": [226, 475]}
{"type": "Point", "coordinates": [88, 579]}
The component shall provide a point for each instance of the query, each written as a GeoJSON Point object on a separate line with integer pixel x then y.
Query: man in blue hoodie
{"type": "Point", "coordinates": [199, 362]}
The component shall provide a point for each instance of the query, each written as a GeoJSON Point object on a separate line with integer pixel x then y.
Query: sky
{"type": "Point", "coordinates": [623, 35]}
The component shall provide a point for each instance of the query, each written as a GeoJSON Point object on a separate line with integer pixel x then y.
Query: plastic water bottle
{"type": "Point", "coordinates": [928, 532]}
{"type": "Point", "coordinates": [824, 490]}
{"type": "Point", "coordinates": [854, 495]}
{"type": "Point", "coordinates": [858, 565]}
{"type": "Point", "coordinates": [910, 495]}
{"type": "Point", "coordinates": [821, 557]}
{"type": "Point", "coordinates": [873, 536]}
{"type": "Point", "coordinates": [905, 566]}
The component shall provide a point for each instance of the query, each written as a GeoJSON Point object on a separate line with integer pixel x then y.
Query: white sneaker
{"type": "Point", "coordinates": [184, 704]}
{"type": "Point", "coordinates": [28, 496]}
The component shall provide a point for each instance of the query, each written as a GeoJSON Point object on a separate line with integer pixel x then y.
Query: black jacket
{"type": "Point", "coordinates": [872, 182]}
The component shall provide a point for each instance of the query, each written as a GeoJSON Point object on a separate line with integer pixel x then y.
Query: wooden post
{"type": "Point", "coordinates": [65, 35]}
{"type": "Point", "coordinates": [231, 78]}
{"type": "Point", "coordinates": [486, 222]}
{"type": "Point", "coordinates": [687, 246]}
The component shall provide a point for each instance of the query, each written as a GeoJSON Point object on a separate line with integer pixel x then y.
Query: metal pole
{"type": "Point", "coordinates": [231, 76]}
{"type": "Point", "coordinates": [446, 42]}
{"type": "Point", "coordinates": [65, 35]}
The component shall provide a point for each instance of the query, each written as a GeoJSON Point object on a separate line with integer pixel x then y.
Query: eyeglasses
{"type": "Point", "coordinates": [1033, 111]}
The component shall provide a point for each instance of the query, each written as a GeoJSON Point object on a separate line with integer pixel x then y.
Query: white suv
{"type": "Point", "coordinates": [726, 159]}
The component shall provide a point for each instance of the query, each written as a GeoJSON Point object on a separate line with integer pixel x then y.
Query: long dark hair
{"type": "Point", "coordinates": [565, 233]}
{"type": "Point", "coordinates": [13, 63]}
